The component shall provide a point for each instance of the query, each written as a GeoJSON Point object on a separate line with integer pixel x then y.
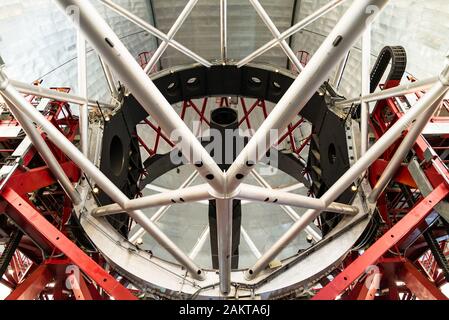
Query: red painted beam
{"type": "Point", "coordinates": [419, 284]}
{"type": "Point", "coordinates": [403, 176]}
{"type": "Point", "coordinates": [399, 231]}
{"type": "Point", "coordinates": [34, 179]}
{"type": "Point", "coordinates": [6, 283]}
{"type": "Point", "coordinates": [80, 289]}
{"type": "Point", "coordinates": [33, 284]}
{"type": "Point", "coordinates": [35, 220]}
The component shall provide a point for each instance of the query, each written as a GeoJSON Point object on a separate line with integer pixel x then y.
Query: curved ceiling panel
{"type": "Point", "coordinates": [37, 41]}
{"type": "Point", "coordinates": [201, 30]}
{"type": "Point", "coordinates": [419, 26]}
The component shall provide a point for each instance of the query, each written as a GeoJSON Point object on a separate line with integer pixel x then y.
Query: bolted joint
{"type": "Point", "coordinates": [4, 80]}
{"type": "Point", "coordinates": [223, 195]}
{"type": "Point", "coordinates": [200, 275]}
{"type": "Point", "coordinates": [249, 275]}
{"type": "Point", "coordinates": [444, 75]}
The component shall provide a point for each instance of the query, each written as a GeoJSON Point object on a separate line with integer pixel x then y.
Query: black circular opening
{"type": "Point", "coordinates": [254, 81]}
{"type": "Point", "coordinates": [224, 116]}
{"type": "Point", "coordinates": [198, 164]}
{"type": "Point", "coordinates": [276, 86]}
{"type": "Point", "coordinates": [332, 153]}
{"type": "Point", "coordinates": [210, 177]}
{"type": "Point", "coordinates": [192, 81]}
{"type": "Point", "coordinates": [250, 163]}
{"type": "Point", "coordinates": [239, 176]}
{"type": "Point", "coordinates": [171, 88]}
{"type": "Point", "coordinates": [116, 155]}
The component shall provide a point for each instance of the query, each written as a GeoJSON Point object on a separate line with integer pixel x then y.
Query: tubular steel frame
{"type": "Point", "coordinates": [226, 186]}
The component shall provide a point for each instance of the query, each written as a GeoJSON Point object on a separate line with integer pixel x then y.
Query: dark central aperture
{"type": "Point", "coordinates": [117, 155]}
{"type": "Point", "coordinates": [224, 118]}
{"type": "Point", "coordinates": [225, 121]}
{"type": "Point", "coordinates": [253, 82]}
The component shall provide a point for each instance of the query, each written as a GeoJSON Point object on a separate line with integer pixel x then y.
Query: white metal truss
{"type": "Point", "coordinates": [224, 187]}
{"type": "Point", "coordinates": [291, 31]}
{"type": "Point", "coordinates": [159, 34]}
{"type": "Point", "coordinates": [171, 34]}
{"type": "Point", "coordinates": [271, 26]}
{"type": "Point", "coordinates": [82, 91]}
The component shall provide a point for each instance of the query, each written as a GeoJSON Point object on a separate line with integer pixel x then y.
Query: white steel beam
{"type": "Point", "coordinates": [354, 172]}
{"type": "Point", "coordinates": [29, 89]}
{"type": "Point", "coordinates": [185, 195]}
{"type": "Point", "coordinates": [340, 40]}
{"type": "Point", "coordinates": [155, 32]}
{"type": "Point", "coordinates": [112, 50]}
{"type": "Point", "coordinates": [82, 91]}
{"type": "Point", "coordinates": [45, 152]}
{"type": "Point", "coordinates": [391, 93]}
{"type": "Point", "coordinates": [58, 138]}
{"type": "Point", "coordinates": [199, 244]}
{"type": "Point", "coordinates": [293, 187]}
{"type": "Point", "coordinates": [224, 235]}
{"type": "Point", "coordinates": [252, 246]}
{"type": "Point", "coordinates": [162, 210]}
{"type": "Point", "coordinates": [109, 78]}
{"type": "Point", "coordinates": [254, 193]}
{"type": "Point", "coordinates": [289, 32]}
{"type": "Point", "coordinates": [402, 151]}
{"type": "Point", "coordinates": [289, 210]}
{"type": "Point", "coordinates": [276, 34]}
{"type": "Point", "coordinates": [224, 29]}
{"type": "Point", "coordinates": [171, 34]}
{"type": "Point", "coordinates": [340, 71]}
{"type": "Point", "coordinates": [366, 80]}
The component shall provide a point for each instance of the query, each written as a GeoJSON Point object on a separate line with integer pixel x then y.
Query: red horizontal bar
{"type": "Point", "coordinates": [33, 284]}
{"type": "Point", "coordinates": [389, 239]}
{"type": "Point", "coordinates": [61, 242]}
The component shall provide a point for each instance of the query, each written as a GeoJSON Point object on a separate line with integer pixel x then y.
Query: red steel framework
{"type": "Point", "coordinates": [382, 270]}
{"type": "Point", "coordinates": [294, 131]}
{"type": "Point", "coordinates": [144, 58]}
{"type": "Point", "coordinates": [31, 275]}
{"type": "Point", "coordinates": [405, 278]}
{"type": "Point", "coordinates": [405, 275]}
{"type": "Point", "coordinates": [45, 278]}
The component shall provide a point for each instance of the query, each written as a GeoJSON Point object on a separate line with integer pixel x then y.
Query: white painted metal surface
{"type": "Point", "coordinates": [225, 186]}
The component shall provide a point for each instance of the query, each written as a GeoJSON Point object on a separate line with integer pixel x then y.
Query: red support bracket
{"type": "Point", "coordinates": [34, 179]}
{"type": "Point", "coordinates": [399, 231]}
{"type": "Point", "coordinates": [33, 219]}
{"type": "Point", "coordinates": [79, 288]}
{"type": "Point", "coordinates": [33, 284]}
{"type": "Point", "coordinates": [419, 284]}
